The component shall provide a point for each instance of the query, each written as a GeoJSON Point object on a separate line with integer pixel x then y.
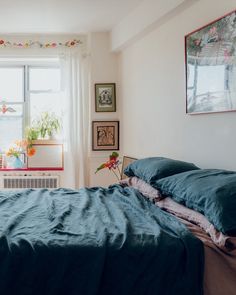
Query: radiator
{"type": "Point", "coordinates": [20, 182]}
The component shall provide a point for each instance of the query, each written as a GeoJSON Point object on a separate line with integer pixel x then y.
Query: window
{"type": "Point", "coordinates": [27, 88]}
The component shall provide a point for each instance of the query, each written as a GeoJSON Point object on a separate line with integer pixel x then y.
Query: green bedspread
{"type": "Point", "coordinates": [94, 242]}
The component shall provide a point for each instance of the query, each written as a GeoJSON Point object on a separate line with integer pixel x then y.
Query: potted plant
{"type": "Point", "coordinates": [48, 125]}
{"type": "Point", "coordinates": [32, 133]}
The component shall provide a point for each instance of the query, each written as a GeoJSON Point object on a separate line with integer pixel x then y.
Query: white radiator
{"type": "Point", "coordinates": [32, 181]}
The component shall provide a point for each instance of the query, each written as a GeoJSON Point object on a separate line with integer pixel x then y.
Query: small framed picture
{"type": "Point", "coordinates": [126, 161]}
{"type": "Point", "coordinates": [105, 97]}
{"type": "Point", "coordinates": [105, 135]}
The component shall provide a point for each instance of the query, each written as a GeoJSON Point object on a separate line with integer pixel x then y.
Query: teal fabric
{"type": "Point", "coordinates": [94, 241]}
{"type": "Point", "coordinates": [154, 168]}
{"type": "Point", "coordinates": [211, 192]}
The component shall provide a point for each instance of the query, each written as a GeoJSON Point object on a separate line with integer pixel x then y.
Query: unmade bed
{"type": "Point", "coordinates": [94, 241]}
{"type": "Point", "coordinates": [168, 229]}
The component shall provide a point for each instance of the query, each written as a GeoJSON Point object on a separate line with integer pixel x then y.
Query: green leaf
{"type": "Point", "coordinates": [100, 168]}
{"type": "Point", "coordinates": [114, 155]}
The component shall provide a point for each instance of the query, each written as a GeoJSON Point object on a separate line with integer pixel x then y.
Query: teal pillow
{"type": "Point", "coordinates": [211, 192]}
{"type": "Point", "coordinates": [152, 169]}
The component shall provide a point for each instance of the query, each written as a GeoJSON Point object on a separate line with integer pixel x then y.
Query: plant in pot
{"type": "Point", "coordinates": [48, 125]}
{"type": "Point", "coordinates": [32, 133]}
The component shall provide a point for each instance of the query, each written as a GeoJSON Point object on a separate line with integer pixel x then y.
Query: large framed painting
{"type": "Point", "coordinates": [105, 97]}
{"type": "Point", "coordinates": [211, 67]}
{"type": "Point", "coordinates": [105, 135]}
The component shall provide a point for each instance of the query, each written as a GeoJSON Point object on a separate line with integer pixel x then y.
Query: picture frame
{"type": "Point", "coordinates": [105, 97]}
{"type": "Point", "coordinates": [210, 54]}
{"type": "Point", "coordinates": [125, 162]}
{"type": "Point", "coordinates": [49, 155]}
{"type": "Point", "coordinates": [105, 135]}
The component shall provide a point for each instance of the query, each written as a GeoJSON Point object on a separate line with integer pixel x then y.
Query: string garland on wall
{"type": "Point", "coordinates": [38, 44]}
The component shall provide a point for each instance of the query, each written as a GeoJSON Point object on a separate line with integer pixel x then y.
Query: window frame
{"type": "Point", "coordinates": [44, 63]}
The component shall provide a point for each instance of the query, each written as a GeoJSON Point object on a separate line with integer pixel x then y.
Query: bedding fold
{"type": "Point", "coordinates": [222, 241]}
{"type": "Point", "coordinates": [94, 241]}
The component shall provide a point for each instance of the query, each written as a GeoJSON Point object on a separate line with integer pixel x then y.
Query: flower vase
{"type": "Point", "coordinates": [17, 163]}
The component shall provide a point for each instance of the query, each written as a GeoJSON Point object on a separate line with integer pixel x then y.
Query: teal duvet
{"type": "Point", "coordinates": [94, 242]}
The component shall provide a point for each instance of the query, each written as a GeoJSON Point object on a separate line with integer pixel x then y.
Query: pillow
{"type": "Point", "coordinates": [211, 192]}
{"type": "Point", "coordinates": [144, 188]}
{"type": "Point", "coordinates": [152, 169]}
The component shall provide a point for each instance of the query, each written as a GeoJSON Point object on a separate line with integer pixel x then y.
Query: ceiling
{"type": "Point", "coordinates": [62, 16]}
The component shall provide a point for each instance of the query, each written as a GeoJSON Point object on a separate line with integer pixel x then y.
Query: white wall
{"type": "Point", "coordinates": [152, 76]}
{"type": "Point", "coordinates": [141, 20]}
{"type": "Point", "coordinates": [104, 69]}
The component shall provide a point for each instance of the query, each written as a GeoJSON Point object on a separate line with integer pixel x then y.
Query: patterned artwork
{"type": "Point", "coordinates": [105, 135]}
{"type": "Point", "coordinates": [211, 67]}
{"type": "Point", "coordinates": [105, 97]}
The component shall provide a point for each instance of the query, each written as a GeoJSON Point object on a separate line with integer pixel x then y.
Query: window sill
{"type": "Point", "coordinates": [31, 169]}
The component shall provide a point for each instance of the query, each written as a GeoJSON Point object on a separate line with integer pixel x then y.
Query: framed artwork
{"type": "Point", "coordinates": [105, 97]}
{"type": "Point", "coordinates": [210, 54]}
{"type": "Point", "coordinates": [125, 162]}
{"type": "Point", "coordinates": [49, 155]}
{"type": "Point", "coordinates": [105, 135]}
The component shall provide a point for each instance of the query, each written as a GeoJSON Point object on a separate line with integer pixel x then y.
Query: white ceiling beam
{"type": "Point", "coordinates": [146, 17]}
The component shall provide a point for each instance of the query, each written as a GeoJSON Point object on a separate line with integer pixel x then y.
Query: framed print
{"type": "Point", "coordinates": [49, 155]}
{"type": "Point", "coordinates": [105, 135]}
{"type": "Point", "coordinates": [210, 54]}
{"type": "Point", "coordinates": [105, 97]}
{"type": "Point", "coordinates": [126, 161]}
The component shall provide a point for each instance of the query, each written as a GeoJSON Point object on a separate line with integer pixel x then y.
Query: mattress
{"type": "Point", "coordinates": [220, 265]}
{"type": "Point", "coordinates": [219, 250]}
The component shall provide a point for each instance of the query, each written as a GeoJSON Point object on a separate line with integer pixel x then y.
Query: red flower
{"type": "Point", "coordinates": [1, 42]}
{"type": "Point", "coordinates": [112, 164]}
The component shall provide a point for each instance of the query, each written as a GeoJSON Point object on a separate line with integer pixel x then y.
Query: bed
{"type": "Point", "coordinates": [204, 200]}
{"type": "Point", "coordinates": [94, 241]}
{"type": "Point", "coordinates": [120, 240]}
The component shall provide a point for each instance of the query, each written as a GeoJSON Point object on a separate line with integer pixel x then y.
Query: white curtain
{"type": "Point", "coordinates": [75, 73]}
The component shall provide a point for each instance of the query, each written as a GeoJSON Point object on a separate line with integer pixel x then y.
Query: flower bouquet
{"type": "Point", "coordinates": [25, 146]}
{"type": "Point", "coordinates": [112, 164]}
{"type": "Point", "coordinates": [20, 147]}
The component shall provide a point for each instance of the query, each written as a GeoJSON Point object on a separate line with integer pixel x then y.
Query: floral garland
{"type": "Point", "coordinates": [28, 44]}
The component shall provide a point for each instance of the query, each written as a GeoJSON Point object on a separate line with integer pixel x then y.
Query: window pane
{"type": "Point", "coordinates": [11, 86]}
{"type": "Point", "coordinates": [11, 110]}
{"type": "Point", "coordinates": [44, 79]}
{"type": "Point", "coordinates": [14, 125]}
{"type": "Point", "coordinates": [45, 102]}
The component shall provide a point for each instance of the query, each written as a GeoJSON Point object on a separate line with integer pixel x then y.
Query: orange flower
{"type": "Point", "coordinates": [21, 143]}
{"type": "Point", "coordinates": [31, 152]}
